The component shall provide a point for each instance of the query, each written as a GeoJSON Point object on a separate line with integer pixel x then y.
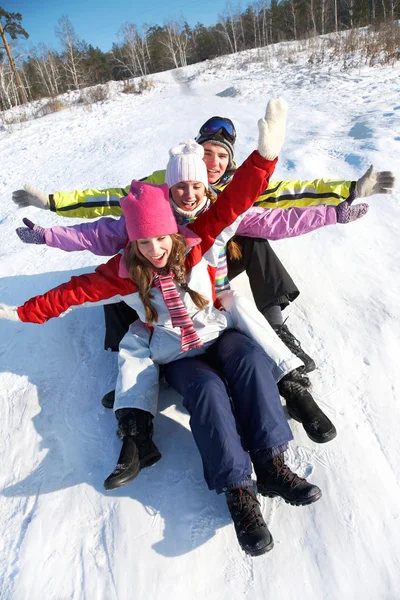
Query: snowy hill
{"type": "Point", "coordinates": [165, 535]}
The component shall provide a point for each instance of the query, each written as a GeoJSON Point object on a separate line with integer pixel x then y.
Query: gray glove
{"type": "Point", "coordinates": [272, 129]}
{"type": "Point", "coordinates": [31, 234]}
{"type": "Point", "coordinates": [30, 196]}
{"type": "Point", "coordinates": [346, 212]}
{"type": "Point", "coordinates": [375, 182]}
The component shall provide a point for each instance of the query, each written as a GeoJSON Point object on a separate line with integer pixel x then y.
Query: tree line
{"type": "Point", "coordinates": [154, 48]}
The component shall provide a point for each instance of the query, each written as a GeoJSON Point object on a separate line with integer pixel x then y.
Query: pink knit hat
{"type": "Point", "coordinates": [147, 211]}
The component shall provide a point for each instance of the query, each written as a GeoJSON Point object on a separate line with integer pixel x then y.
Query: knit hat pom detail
{"type": "Point", "coordinates": [186, 164]}
{"type": "Point", "coordinates": [189, 147]}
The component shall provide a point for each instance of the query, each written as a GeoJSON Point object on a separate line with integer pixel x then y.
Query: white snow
{"type": "Point", "coordinates": [165, 535]}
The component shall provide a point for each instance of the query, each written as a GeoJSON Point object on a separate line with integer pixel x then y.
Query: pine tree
{"type": "Point", "coordinates": [10, 24]}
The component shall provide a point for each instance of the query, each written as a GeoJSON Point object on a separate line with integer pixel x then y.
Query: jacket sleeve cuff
{"type": "Point", "coordinates": [263, 163]}
{"type": "Point", "coordinates": [352, 192]}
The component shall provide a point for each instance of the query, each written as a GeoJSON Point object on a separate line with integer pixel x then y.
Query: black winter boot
{"type": "Point", "coordinates": [251, 530]}
{"type": "Point", "coordinates": [302, 407]}
{"type": "Point", "coordinates": [135, 429]}
{"type": "Point", "coordinates": [274, 478]}
{"type": "Point", "coordinates": [297, 376]}
{"type": "Point", "coordinates": [294, 345]}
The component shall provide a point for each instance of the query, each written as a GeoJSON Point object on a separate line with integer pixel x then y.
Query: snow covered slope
{"type": "Point", "coordinates": [165, 535]}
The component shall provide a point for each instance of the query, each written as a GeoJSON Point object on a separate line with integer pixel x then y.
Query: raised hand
{"type": "Point", "coordinates": [272, 129]}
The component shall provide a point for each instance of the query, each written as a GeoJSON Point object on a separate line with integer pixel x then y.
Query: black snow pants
{"type": "Point", "coordinates": [269, 281]}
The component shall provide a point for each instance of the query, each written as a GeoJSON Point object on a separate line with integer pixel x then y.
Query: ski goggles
{"type": "Point", "coordinates": [218, 125]}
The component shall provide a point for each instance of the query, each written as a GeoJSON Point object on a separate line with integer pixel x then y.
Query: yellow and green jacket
{"type": "Point", "coordinates": [93, 203]}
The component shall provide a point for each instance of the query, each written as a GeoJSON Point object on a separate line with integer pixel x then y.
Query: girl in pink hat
{"type": "Point", "coordinates": [167, 274]}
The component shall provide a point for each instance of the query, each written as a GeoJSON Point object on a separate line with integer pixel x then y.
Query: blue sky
{"type": "Point", "coordinates": [98, 21]}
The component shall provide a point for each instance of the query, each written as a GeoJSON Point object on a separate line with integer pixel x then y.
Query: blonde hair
{"type": "Point", "coordinates": [142, 272]}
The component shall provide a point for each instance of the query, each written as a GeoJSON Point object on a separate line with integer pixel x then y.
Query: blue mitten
{"type": "Point", "coordinates": [31, 234]}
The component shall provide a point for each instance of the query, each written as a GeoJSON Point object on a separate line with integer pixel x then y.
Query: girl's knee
{"type": "Point", "coordinates": [207, 383]}
{"type": "Point", "coordinates": [250, 350]}
{"type": "Point", "coordinates": [249, 355]}
{"type": "Point", "coordinates": [205, 388]}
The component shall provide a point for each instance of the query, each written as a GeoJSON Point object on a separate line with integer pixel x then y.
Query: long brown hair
{"type": "Point", "coordinates": [142, 272]}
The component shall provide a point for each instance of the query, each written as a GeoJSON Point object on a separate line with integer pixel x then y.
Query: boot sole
{"type": "Point", "coordinates": [114, 485]}
{"type": "Point", "coordinates": [304, 502]}
{"type": "Point", "coordinates": [323, 438]}
{"type": "Point", "coordinates": [147, 461]}
{"type": "Point", "coordinates": [259, 552]}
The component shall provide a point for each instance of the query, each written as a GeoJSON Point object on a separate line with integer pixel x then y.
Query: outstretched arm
{"type": "Point", "coordinates": [83, 204]}
{"type": "Point", "coordinates": [278, 224]}
{"type": "Point", "coordinates": [86, 204]}
{"type": "Point", "coordinates": [104, 237]}
{"type": "Point", "coordinates": [104, 286]}
{"type": "Point", "coordinates": [298, 194]}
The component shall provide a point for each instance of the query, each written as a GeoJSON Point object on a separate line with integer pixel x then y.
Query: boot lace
{"type": "Point", "coordinates": [283, 472]}
{"type": "Point", "coordinates": [298, 376]}
{"type": "Point", "coordinates": [292, 390]}
{"type": "Point", "coordinates": [288, 338]}
{"type": "Point", "coordinates": [293, 344]}
{"type": "Point", "coordinates": [245, 510]}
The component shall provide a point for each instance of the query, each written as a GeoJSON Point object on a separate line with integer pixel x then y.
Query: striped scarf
{"type": "Point", "coordinates": [177, 310]}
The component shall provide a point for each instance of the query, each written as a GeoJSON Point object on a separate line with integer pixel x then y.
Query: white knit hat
{"type": "Point", "coordinates": [186, 164]}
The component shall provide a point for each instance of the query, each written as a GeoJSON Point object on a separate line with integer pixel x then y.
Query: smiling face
{"type": "Point", "coordinates": [156, 249]}
{"type": "Point", "coordinates": [216, 159]}
{"type": "Point", "coordinates": [188, 195]}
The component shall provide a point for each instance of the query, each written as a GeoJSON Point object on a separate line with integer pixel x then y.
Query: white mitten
{"type": "Point", "coordinates": [272, 129]}
{"type": "Point", "coordinates": [375, 182]}
{"type": "Point", "coordinates": [9, 313]}
{"type": "Point", "coordinates": [30, 196]}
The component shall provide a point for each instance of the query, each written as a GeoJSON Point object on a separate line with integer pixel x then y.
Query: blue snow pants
{"type": "Point", "coordinates": [234, 406]}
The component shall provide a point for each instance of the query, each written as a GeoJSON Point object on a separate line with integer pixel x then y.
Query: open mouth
{"type": "Point", "coordinates": [187, 204]}
{"type": "Point", "coordinates": [157, 259]}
